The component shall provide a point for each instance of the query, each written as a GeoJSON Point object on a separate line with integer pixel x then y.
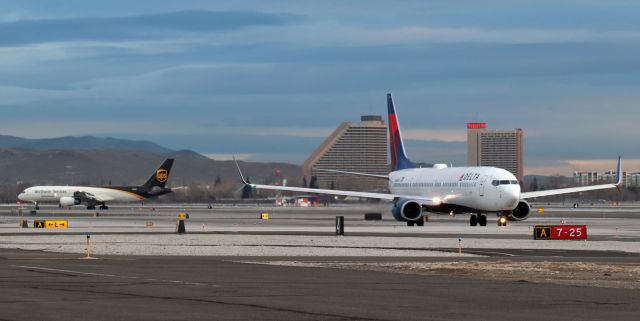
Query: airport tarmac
{"type": "Point", "coordinates": [238, 230]}
{"type": "Point", "coordinates": [232, 265]}
{"type": "Point", "coordinates": [56, 286]}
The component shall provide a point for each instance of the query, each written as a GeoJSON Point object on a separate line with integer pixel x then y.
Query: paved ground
{"type": "Point", "coordinates": [38, 285]}
{"type": "Point", "coordinates": [46, 286]}
{"type": "Point", "coordinates": [605, 224]}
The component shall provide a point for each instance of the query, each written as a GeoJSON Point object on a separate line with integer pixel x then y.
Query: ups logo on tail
{"type": "Point", "coordinates": [162, 175]}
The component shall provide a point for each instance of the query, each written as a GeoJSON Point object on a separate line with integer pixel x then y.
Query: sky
{"type": "Point", "coordinates": [269, 80]}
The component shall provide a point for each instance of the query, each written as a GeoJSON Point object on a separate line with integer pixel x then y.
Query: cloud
{"type": "Point", "coordinates": [12, 95]}
{"type": "Point", "coordinates": [275, 132]}
{"type": "Point", "coordinates": [43, 128]}
{"type": "Point", "coordinates": [281, 76]}
{"type": "Point", "coordinates": [327, 33]}
{"type": "Point", "coordinates": [160, 25]}
{"type": "Point", "coordinates": [435, 135]}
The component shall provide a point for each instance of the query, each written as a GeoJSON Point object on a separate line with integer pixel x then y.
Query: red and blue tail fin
{"type": "Point", "coordinates": [399, 158]}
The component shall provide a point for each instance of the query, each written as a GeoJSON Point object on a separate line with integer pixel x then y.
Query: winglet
{"type": "Point", "coordinates": [619, 174]}
{"type": "Point", "coordinates": [244, 181]}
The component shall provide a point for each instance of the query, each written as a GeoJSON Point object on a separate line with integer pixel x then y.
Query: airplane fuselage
{"type": "Point", "coordinates": [91, 196]}
{"type": "Point", "coordinates": [440, 189]}
{"type": "Point", "coordinates": [481, 189]}
{"type": "Point", "coordinates": [53, 194]}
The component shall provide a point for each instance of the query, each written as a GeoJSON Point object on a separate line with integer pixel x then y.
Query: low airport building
{"type": "Point", "coordinates": [592, 178]}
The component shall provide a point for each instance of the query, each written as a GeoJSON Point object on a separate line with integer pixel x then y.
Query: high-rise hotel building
{"type": "Point", "coordinates": [353, 147]}
{"type": "Point", "coordinates": [496, 148]}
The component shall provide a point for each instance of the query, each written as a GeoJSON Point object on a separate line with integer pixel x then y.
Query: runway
{"type": "Point", "coordinates": [39, 285]}
{"type": "Point", "coordinates": [231, 265]}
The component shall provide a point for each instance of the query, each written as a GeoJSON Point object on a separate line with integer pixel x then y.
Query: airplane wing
{"type": "Point", "coordinates": [353, 173]}
{"type": "Point", "coordinates": [565, 191]}
{"type": "Point", "coordinates": [91, 198]}
{"type": "Point", "coordinates": [383, 196]}
{"type": "Point", "coordinates": [576, 189]}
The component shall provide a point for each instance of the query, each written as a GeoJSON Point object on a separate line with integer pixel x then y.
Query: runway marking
{"type": "Point", "coordinates": [64, 271]}
{"type": "Point", "coordinates": [110, 275]}
{"type": "Point", "coordinates": [490, 252]}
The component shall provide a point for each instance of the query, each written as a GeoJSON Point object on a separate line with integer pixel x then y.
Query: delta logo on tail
{"type": "Point", "coordinates": [399, 159]}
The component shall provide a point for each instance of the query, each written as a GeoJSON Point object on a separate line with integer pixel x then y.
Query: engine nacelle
{"type": "Point", "coordinates": [69, 201]}
{"type": "Point", "coordinates": [406, 210]}
{"type": "Point", "coordinates": [521, 212]}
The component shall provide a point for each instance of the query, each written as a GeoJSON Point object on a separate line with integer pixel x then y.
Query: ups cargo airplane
{"type": "Point", "coordinates": [443, 189]}
{"type": "Point", "coordinates": [93, 196]}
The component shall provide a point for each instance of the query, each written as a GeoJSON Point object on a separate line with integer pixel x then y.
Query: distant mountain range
{"type": "Point", "coordinates": [99, 161]}
{"type": "Point", "coordinates": [102, 161]}
{"type": "Point", "coordinates": [81, 143]}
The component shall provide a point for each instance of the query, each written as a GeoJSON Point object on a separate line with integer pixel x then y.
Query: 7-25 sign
{"type": "Point", "coordinates": [560, 232]}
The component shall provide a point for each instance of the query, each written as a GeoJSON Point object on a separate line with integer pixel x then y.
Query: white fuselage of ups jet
{"type": "Point", "coordinates": [92, 196]}
{"type": "Point", "coordinates": [53, 194]}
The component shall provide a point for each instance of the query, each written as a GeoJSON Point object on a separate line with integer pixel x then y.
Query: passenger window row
{"type": "Point", "coordinates": [504, 182]}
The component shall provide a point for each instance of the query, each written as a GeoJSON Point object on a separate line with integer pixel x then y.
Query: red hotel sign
{"type": "Point", "coordinates": [560, 232]}
{"type": "Point", "coordinates": [476, 125]}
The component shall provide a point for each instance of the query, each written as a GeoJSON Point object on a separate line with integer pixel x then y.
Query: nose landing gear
{"type": "Point", "coordinates": [478, 219]}
{"type": "Point", "coordinates": [502, 221]}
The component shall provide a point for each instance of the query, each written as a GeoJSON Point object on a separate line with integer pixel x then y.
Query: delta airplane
{"type": "Point", "coordinates": [92, 196]}
{"type": "Point", "coordinates": [442, 189]}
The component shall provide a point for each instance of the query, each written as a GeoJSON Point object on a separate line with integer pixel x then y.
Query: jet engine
{"type": "Point", "coordinates": [69, 201]}
{"type": "Point", "coordinates": [521, 212]}
{"type": "Point", "coordinates": [406, 210]}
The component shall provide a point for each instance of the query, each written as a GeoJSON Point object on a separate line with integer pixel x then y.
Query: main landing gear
{"type": "Point", "coordinates": [478, 219]}
{"type": "Point", "coordinates": [93, 207]}
{"type": "Point", "coordinates": [419, 222]}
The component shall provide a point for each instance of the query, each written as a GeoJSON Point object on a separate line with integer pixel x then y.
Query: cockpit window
{"type": "Point", "coordinates": [514, 182]}
{"type": "Point", "coordinates": [495, 183]}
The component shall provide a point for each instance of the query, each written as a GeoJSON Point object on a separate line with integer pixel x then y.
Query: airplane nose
{"type": "Point", "coordinates": [21, 196]}
{"type": "Point", "coordinates": [512, 197]}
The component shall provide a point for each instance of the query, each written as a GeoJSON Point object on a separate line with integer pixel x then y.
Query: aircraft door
{"type": "Point", "coordinates": [483, 181]}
